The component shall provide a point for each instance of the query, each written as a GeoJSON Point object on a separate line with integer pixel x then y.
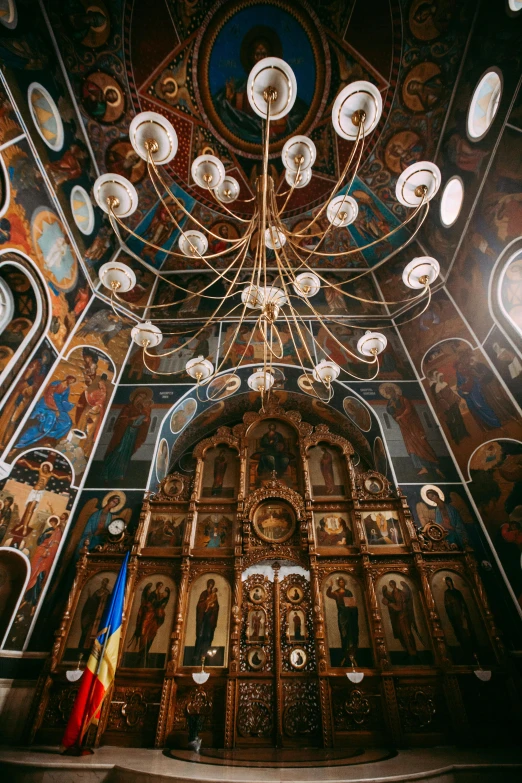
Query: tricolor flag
{"type": "Point", "coordinates": [101, 667]}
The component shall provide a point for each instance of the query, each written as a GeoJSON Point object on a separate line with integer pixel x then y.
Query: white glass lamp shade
{"type": "Point", "coordinates": [296, 148]}
{"type": "Point", "coordinates": [199, 368]}
{"type": "Point", "coordinates": [355, 677]}
{"type": "Point", "coordinates": [200, 677]}
{"type": "Point", "coordinates": [410, 185]}
{"type": "Point", "coordinates": [272, 74]}
{"type": "Point", "coordinates": [307, 284]}
{"type": "Point", "coordinates": [252, 296]}
{"type": "Point", "coordinates": [298, 180]}
{"type": "Point", "coordinates": [326, 371]}
{"type": "Point", "coordinates": [372, 343]}
{"type": "Point", "coordinates": [274, 238]}
{"type": "Point", "coordinates": [73, 675]}
{"type": "Point", "coordinates": [115, 188]}
{"type": "Point", "coordinates": [149, 126]}
{"type": "Point", "coordinates": [193, 243]}
{"type": "Point", "coordinates": [147, 335]}
{"type": "Point", "coordinates": [261, 381]}
{"type": "Point", "coordinates": [483, 674]}
{"type": "Point", "coordinates": [208, 172]}
{"type": "Point", "coordinates": [355, 98]}
{"type": "Point", "coordinates": [418, 269]}
{"type": "Point", "coordinates": [342, 211]}
{"type": "Point", "coordinates": [117, 276]}
{"type": "Point", "coordinates": [228, 190]}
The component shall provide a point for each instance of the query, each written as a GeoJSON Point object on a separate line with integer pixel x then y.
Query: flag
{"type": "Point", "coordinates": [101, 666]}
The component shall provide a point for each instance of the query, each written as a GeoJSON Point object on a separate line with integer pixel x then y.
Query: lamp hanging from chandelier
{"type": "Point", "coordinates": [266, 302]}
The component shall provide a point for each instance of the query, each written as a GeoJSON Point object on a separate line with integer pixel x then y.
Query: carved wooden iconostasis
{"type": "Point", "coordinates": [282, 565]}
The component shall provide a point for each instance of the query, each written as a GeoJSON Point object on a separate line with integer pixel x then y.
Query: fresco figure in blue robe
{"type": "Point", "coordinates": [448, 517]}
{"type": "Point", "coordinates": [97, 524]}
{"type": "Point", "coordinates": [477, 385]}
{"type": "Point", "coordinates": [130, 432]}
{"type": "Point", "coordinates": [51, 414]}
{"type": "Point", "coordinates": [231, 100]}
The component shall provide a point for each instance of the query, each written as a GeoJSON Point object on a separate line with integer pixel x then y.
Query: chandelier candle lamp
{"type": "Point", "coordinates": [252, 291]}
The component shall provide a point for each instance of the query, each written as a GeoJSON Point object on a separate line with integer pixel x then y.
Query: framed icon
{"type": "Point", "coordinates": [257, 594]}
{"type": "Point", "coordinates": [298, 658]}
{"type": "Point", "coordinates": [172, 486]}
{"type": "Point", "coordinates": [274, 521]}
{"type": "Point", "coordinates": [373, 485]}
{"type": "Point", "coordinates": [256, 658]}
{"type": "Point", "coordinates": [294, 594]}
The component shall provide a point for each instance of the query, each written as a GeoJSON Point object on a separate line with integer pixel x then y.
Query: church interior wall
{"type": "Point", "coordinates": [471, 329]}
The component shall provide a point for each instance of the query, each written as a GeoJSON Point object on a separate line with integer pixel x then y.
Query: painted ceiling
{"type": "Point", "coordinates": [189, 61]}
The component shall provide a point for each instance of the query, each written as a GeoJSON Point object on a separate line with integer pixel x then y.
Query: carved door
{"type": "Point", "coordinates": [278, 701]}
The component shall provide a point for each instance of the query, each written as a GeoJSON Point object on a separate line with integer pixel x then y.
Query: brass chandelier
{"type": "Point", "coordinates": [271, 90]}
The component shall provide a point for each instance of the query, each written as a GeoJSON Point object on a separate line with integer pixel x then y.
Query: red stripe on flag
{"type": "Point", "coordinates": [87, 703]}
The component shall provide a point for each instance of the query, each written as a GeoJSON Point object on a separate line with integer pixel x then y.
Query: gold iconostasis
{"type": "Point", "coordinates": [281, 566]}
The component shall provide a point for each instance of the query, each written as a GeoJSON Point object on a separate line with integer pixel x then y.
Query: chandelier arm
{"type": "Point", "coordinates": [230, 292]}
{"type": "Point", "coordinates": [171, 252]}
{"type": "Point", "coordinates": [378, 265]}
{"type": "Point", "coordinates": [225, 357]}
{"type": "Point", "coordinates": [360, 132]}
{"type": "Point", "coordinates": [414, 317]}
{"type": "Point", "coordinates": [181, 205]}
{"type": "Point", "coordinates": [360, 248]}
{"type": "Point", "coordinates": [159, 276]}
{"type": "Point", "coordinates": [224, 206]}
{"type": "Point", "coordinates": [269, 346]}
{"type": "Point", "coordinates": [289, 192]}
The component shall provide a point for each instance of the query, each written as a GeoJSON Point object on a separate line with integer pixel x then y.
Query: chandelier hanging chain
{"type": "Point", "coordinates": [282, 289]}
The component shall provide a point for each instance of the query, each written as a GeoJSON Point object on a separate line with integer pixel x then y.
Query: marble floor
{"type": "Point", "coordinates": [133, 765]}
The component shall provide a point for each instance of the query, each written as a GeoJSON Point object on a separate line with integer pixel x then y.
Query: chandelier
{"type": "Point", "coordinates": [251, 292]}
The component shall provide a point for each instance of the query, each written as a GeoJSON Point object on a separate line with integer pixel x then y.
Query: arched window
{"type": "Point", "coordinates": [23, 314]}
{"type": "Point", "coordinates": [510, 290]}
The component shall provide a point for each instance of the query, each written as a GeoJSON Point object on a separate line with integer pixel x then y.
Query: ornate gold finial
{"type": "Point", "coordinates": [421, 190]}
{"type": "Point", "coordinates": [113, 202]}
{"type": "Point", "coordinates": [270, 94]}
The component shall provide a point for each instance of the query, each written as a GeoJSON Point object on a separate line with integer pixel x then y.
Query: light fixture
{"type": "Point", "coordinates": [421, 272]}
{"type": "Point", "coordinates": [153, 137]}
{"type": "Point", "coordinates": [146, 335]}
{"type": "Point", "coordinates": [372, 343]}
{"type": "Point", "coordinates": [193, 243]}
{"type": "Point", "coordinates": [298, 153]}
{"type": "Point", "coordinates": [244, 264]}
{"type": "Point", "coordinates": [298, 179]}
{"type": "Point", "coordinates": [228, 190]}
{"type": "Point", "coordinates": [208, 172]}
{"type": "Point", "coordinates": [117, 276]}
{"type": "Point", "coordinates": [199, 368]}
{"type": "Point", "coordinates": [261, 381]}
{"type": "Point", "coordinates": [342, 211]}
{"type": "Point", "coordinates": [115, 195]}
{"type": "Point", "coordinates": [326, 372]}
{"type": "Point", "coordinates": [354, 675]}
{"type": "Point", "coordinates": [484, 675]}
{"type": "Point", "coordinates": [73, 675]}
{"type": "Point", "coordinates": [306, 284]}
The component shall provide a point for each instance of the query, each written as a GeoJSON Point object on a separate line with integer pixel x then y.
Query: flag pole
{"type": "Point", "coordinates": [76, 749]}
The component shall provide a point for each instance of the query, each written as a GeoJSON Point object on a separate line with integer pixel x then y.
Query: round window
{"type": "Point", "coordinates": [46, 116]}
{"type": "Point", "coordinates": [82, 210]}
{"type": "Point", "coordinates": [484, 104]}
{"type": "Point", "coordinates": [451, 201]}
{"type": "Point", "coordinates": [514, 7]}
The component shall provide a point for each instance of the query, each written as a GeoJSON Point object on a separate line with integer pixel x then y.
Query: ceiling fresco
{"type": "Point", "coordinates": [189, 61]}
